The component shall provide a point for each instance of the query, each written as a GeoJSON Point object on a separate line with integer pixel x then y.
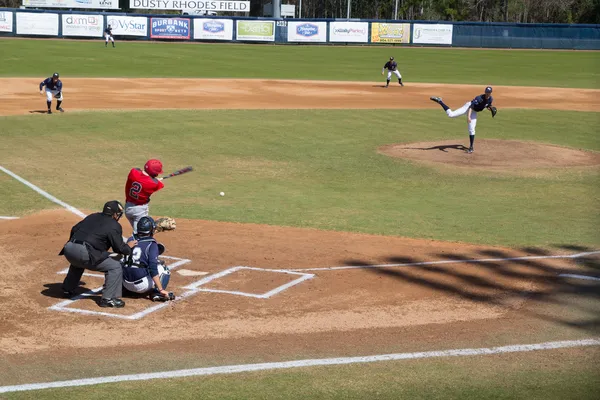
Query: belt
{"type": "Point", "coordinates": [78, 242]}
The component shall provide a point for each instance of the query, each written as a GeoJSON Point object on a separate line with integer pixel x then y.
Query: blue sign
{"type": "Point", "coordinates": [307, 30]}
{"type": "Point", "coordinates": [170, 28]}
{"type": "Point", "coordinates": [213, 26]}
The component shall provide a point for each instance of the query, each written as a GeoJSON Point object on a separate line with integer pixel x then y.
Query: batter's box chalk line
{"type": "Point", "coordinates": [191, 289]}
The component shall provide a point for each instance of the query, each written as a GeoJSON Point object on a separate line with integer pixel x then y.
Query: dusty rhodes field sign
{"type": "Point", "coordinates": [232, 6]}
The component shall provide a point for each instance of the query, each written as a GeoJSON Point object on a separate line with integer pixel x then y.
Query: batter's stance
{"type": "Point", "coordinates": [108, 35]}
{"type": "Point", "coordinates": [392, 68]}
{"type": "Point", "coordinates": [53, 88]}
{"type": "Point", "coordinates": [471, 108]}
{"type": "Point", "coordinates": [138, 189]}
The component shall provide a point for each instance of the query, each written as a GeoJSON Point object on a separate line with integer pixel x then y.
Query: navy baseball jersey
{"type": "Point", "coordinates": [50, 84]}
{"type": "Point", "coordinates": [108, 31]}
{"type": "Point", "coordinates": [144, 255]}
{"type": "Point", "coordinates": [480, 103]}
{"type": "Point", "coordinates": [390, 65]}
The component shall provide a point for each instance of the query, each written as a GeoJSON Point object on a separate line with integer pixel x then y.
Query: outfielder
{"type": "Point", "coordinates": [53, 88]}
{"type": "Point", "coordinates": [108, 35]}
{"type": "Point", "coordinates": [138, 189]}
{"type": "Point", "coordinates": [471, 108]}
{"type": "Point", "coordinates": [143, 272]}
{"type": "Point", "coordinates": [392, 68]}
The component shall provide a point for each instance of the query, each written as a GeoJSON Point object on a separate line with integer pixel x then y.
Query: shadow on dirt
{"type": "Point", "coordinates": [504, 279]}
{"type": "Point", "coordinates": [38, 112]}
{"type": "Point", "coordinates": [443, 147]}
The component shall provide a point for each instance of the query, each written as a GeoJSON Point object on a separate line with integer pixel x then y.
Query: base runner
{"type": "Point", "coordinates": [138, 189]}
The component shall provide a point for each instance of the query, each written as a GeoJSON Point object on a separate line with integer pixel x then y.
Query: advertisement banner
{"type": "Point", "coordinates": [432, 33]}
{"type": "Point", "coordinates": [128, 26]}
{"type": "Point", "coordinates": [307, 32]}
{"type": "Point", "coordinates": [89, 4]}
{"type": "Point", "coordinates": [213, 29]}
{"type": "Point", "coordinates": [349, 32]}
{"type": "Point", "coordinates": [82, 25]}
{"type": "Point", "coordinates": [170, 28]}
{"type": "Point", "coordinates": [390, 33]}
{"type": "Point", "coordinates": [6, 21]}
{"type": "Point", "coordinates": [208, 5]}
{"type": "Point", "coordinates": [37, 24]}
{"type": "Point", "coordinates": [263, 31]}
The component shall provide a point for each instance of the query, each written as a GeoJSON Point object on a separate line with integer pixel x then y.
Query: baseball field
{"type": "Point", "coordinates": [358, 252]}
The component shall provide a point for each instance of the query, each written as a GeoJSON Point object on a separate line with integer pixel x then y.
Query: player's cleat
{"type": "Point", "coordinates": [60, 109]}
{"type": "Point", "coordinates": [436, 99]}
{"type": "Point", "coordinates": [114, 303]}
{"type": "Point", "coordinates": [160, 297]}
{"type": "Point", "coordinates": [49, 111]}
{"type": "Point", "coordinates": [470, 150]}
{"type": "Point", "coordinates": [67, 294]}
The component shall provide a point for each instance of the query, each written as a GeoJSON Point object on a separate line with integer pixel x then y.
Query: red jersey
{"type": "Point", "coordinates": [140, 187]}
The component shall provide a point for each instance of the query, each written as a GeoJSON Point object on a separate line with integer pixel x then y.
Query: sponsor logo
{"type": "Point", "coordinates": [350, 31]}
{"type": "Point", "coordinates": [105, 2]}
{"type": "Point", "coordinates": [256, 28]}
{"type": "Point", "coordinates": [170, 28]}
{"type": "Point", "coordinates": [307, 30]}
{"type": "Point", "coordinates": [84, 1]}
{"type": "Point", "coordinates": [83, 20]}
{"type": "Point", "coordinates": [213, 26]}
{"type": "Point", "coordinates": [3, 17]}
{"type": "Point", "coordinates": [126, 25]}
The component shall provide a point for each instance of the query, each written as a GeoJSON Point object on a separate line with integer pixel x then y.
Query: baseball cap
{"type": "Point", "coordinates": [112, 207]}
{"type": "Point", "coordinates": [488, 89]}
{"type": "Point", "coordinates": [153, 167]}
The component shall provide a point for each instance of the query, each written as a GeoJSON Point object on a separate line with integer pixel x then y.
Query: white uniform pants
{"type": "Point", "coordinates": [462, 111]}
{"type": "Point", "coordinates": [135, 213]}
{"type": "Point", "coordinates": [109, 37]}
{"type": "Point", "coordinates": [53, 92]}
{"type": "Point", "coordinates": [396, 72]}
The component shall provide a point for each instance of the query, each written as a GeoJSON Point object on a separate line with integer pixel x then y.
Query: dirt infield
{"type": "Point", "coordinates": [21, 95]}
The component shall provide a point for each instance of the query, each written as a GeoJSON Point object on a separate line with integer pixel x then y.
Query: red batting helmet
{"type": "Point", "coordinates": [153, 167]}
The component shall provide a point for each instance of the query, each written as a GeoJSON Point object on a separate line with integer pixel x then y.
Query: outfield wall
{"type": "Point", "coordinates": [74, 24]}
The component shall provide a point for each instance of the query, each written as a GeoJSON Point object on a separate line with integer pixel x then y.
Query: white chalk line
{"type": "Point", "coordinates": [584, 277]}
{"type": "Point", "coordinates": [231, 369]}
{"type": "Point", "coordinates": [468, 261]}
{"type": "Point", "coordinates": [43, 193]}
{"type": "Point", "coordinates": [8, 218]}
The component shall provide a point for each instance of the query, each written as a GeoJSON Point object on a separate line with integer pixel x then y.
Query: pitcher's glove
{"type": "Point", "coordinates": [165, 224]}
{"type": "Point", "coordinates": [494, 110]}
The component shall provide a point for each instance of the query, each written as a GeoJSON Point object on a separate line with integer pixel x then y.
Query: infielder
{"type": "Point", "coordinates": [108, 35]}
{"type": "Point", "coordinates": [392, 68]}
{"type": "Point", "coordinates": [138, 189]}
{"type": "Point", "coordinates": [471, 108]}
{"type": "Point", "coordinates": [143, 272]}
{"type": "Point", "coordinates": [53, 88]}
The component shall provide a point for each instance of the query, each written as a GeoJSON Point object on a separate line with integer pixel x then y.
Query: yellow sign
{"type": "Point", "coordinates": [390, 33]}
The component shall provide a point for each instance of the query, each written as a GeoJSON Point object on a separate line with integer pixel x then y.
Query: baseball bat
{"type": "Point", "coordinates": [178, 172]}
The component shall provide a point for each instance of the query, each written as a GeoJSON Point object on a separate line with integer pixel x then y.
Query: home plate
{"type": "Point", "coordinates": [189, 272]}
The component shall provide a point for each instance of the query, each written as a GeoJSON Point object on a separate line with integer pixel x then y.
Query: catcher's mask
{"type": "Point", "coordinates": [113, 207]}
{"type": "Point", "coordinates": [146, 226]}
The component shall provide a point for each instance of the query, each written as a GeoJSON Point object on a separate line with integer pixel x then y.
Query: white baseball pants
{"type": "Point", "coordinates": [462, 111]}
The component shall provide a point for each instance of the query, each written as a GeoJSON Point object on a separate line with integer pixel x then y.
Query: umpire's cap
{"type": "Point", "coordinates": [113, 207]}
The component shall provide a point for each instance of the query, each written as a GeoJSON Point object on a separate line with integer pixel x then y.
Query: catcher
{"type": "Point", "coordinates": [143, 272]}
{"type": "Point", "coordinates": [471, 108]}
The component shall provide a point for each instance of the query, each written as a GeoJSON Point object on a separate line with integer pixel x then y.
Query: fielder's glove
{"type": "Point", "coordinates": [494, 110]}
{"type": "Point", "coordinates": [165, 224]}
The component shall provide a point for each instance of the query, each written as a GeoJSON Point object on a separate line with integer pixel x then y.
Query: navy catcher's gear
{"type": "Point", "coordinates": [146, 226]}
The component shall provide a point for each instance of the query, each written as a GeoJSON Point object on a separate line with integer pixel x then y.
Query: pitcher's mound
{"type": "Point", "coordinates": [490, 153]}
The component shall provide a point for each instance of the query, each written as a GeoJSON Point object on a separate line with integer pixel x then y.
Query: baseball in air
{"type": "Point", "coordinates": [222, 194]}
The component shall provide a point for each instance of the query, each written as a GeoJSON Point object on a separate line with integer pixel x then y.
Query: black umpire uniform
{"type": "Point", "coordinates": [87, 248]}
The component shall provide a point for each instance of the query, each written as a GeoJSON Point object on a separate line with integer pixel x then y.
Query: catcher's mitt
{"type": "Point", "coordinates": [165, 224]}
{"type": "Point", "coordinates": [162, 297]}
{"type": "Point", "coordinates": [494, 110]}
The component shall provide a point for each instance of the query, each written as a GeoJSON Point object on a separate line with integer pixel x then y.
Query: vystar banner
{"type": "Point", "coordinates": [349, 32]}
{"type": "Point", "coordinates": [6, 21]}
{"type": "Point", "coordinates": [315, 32]}
{"type": "Point", "coordinates": [37, 24]}
{"type": "Point", "coordinates": [89, 4]}
{"type": "Point", "coordinates": [128, 26]}
{"type": "Point", "coordinates": [432, 33]}
{"type": "Point", "coordinates": [213, 29]}
{"type": "Point", "coordinates": [170, 28]}
{"type": "Point", "coordinates": [226, 5]}
{"type": "Point", "coordinates": [390, 33]}
{"type": "Point", "coordinates": [82, 25]}
{"type": "Point", "coordinates": [263, 31]}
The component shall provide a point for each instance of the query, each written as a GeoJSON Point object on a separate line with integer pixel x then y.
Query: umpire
{"type": "Point", "coordinates": [87, 248]}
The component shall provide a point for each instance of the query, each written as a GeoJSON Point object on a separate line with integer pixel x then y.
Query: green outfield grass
{"type": "Point", "coordinates": [39, 58]}
{"type": "Point", "coordinates": [314, 169]}
{"type": "Point", "coordinates": [503, 377]}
